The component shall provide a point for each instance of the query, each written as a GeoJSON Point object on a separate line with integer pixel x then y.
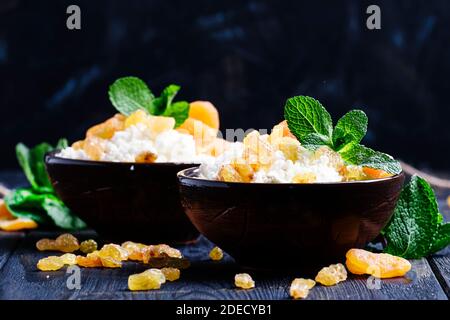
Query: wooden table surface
{"type": "Point", "coordinates": [429, 278]}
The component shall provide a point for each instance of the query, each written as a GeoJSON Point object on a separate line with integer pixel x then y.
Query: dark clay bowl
{"type": "Point", "coordinates": [124, 201]}
{"type": "Point", "coordinates": [288, 225]}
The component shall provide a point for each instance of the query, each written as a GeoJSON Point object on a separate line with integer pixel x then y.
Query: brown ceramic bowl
{"type": "Point", "coordinates": [288, 225]}
{"type": "Point", "coordinates": [123, 201]}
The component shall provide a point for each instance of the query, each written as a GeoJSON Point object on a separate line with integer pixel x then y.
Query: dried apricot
{"type": "Point", "coordinates": [300, 288]}
{"type": "Point", "coordinates": [205, 112]}
{"type": "Point", "coordinates": [159, 124]}
{"type": "Point", "coordinates": [244, 281]}
{"type": "Point", "coordinates": [88, 246]}
{"type": "Point", "coordinates": [216, 254]}
{"type": "Point", "coordinates": [106, 130]}
{"type": "Point", "coordinates": [171, 274]}
{"type": "Point", "coordinates": [375, 173]}
{"type": "Point", "coordinates": [148, 280]}
{"type": "Point", "coordinates": [380, 265]}
{"type": "Point", "coordinates": [17, 224]}
{"type": "Point", "coordinates": [329, 276]}
{"type": "Point", "coordinates": [4, 212]}
{"type": "Point", "coordinates": [203, 134]}
{"type": "Point", "coordinates": [51, 263]}
{"type": "Point", "coordinates": [93, 147]}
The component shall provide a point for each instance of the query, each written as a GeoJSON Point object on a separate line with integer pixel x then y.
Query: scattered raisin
{"type": "Point", "coordinates": [244, 281]}
{"type": "Point", "coordinates": [171, 274]}
{"type": "Point", "coordinates": [300, 288]}
{"type": "Point", "coordinates": [88, 246]}
{"type": "Point", "coordinates": [216, 254]}
{"type": "Point", "coordinates": [148, 280]}
{"type": "Point", "coordinates": [329, 276]}
{"type": "Point", "coordinates": [64, 243]}
{"type": "Point", "coordinates": [51, 263]}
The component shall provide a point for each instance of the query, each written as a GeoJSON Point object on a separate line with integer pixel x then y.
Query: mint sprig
{"type": "Point", "coordinates": [416, 228]}
{"type": "Point", "coordinates": [129, 94]}
{"type": "Point", "coordinates": [311, 123]}
{"type": "Point", "coordinates": [40, 202]}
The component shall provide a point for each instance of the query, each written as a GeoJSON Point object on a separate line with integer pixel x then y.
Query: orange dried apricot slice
{"type": "Point", "coordinates": [205, 112]}
{"type": "Point", "coordinates": [106, 130]}
{"type": "Point", "coordinates": [4, 212]}
{"type": "Point", "coordinates": [380, 265]}
{"type": "Point", "coordinates": [18, 224]}
{"type": "Point", "coordinates": [376, 173]}
{"type": "Point", "coordinates": [202, 133]}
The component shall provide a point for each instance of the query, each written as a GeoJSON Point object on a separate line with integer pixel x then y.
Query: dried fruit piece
{"type": "Point", "coordinates": [88, 246]}
{"type": "Point", "coordinates": [171, 274]}
{"type": "Point", "coordinates": [286, 131]}
{"type": "Point", "coordinates": [146, 157]}
{"type": "Point", "coordinates": [216, 254]}
{"type": "Point", "coordinates": [64, 243]}
{"type": "Point", "coordinates": [290, 147]}
{"type": "Point", "coordinates": [244, 281]}
{"type": "Point", "coordinates": [148, 280]}
{"type": "Point", "coordinates": [306, 177]}
{"type": "Point", "coordinates": [106, 130]}
{"type": "Point", "coordinates": [135, 250]}
{"type": "Point", "coordinates": [228, 173]}
{"type": "Point", "coordinates": [92, 260]}
{"type": "Point", "coordinates": [51, 263]}
{"type": "Point", "coordinates": [139, 116]}
{"type": "Point", "coordinates": [159, 124]}
{"type": "Point", "coordinates": [160, 250]}
{"type": "Point", "coordinates": [17, 224]}
{"type": "Point", "coordinates": [329, 276]}
{"type": "Point", "coordinates": [112, 255]}
{"type": "Point", "coordinates": [69, 258]}
{"type": "Point", "coordinates": [353, 173]}
{"type": "Point", "coordinates": [376, 173]}
{"type": "Point", "coordinates": [202, 133]}
{"type": "Point", "coordinates": [380, 265]}
{"type": "Point", "coordinates": [244, 170]}
{"type": "Point", "coordinates": [78, 145]}
{"type": "Point", "coordinates": [300, 288]}
{"type": "Point", "coordinates": [4, 212]}
{"type": "Point", "coordinates": [93, 147]}
{"type": "Point", "coordinates": [205, 112]}
{"type": "Point", "coordinates": [258, 152]}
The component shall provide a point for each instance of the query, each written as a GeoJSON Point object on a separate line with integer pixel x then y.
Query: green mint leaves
{"type": "Point", "coordinates": [129, 94]}
{"type": "Point", "coordinates": [311, 123]}
{"type": "Point", "coordinates": [40, 203]}
{"type": "Point", "coordinates": [416, 229]}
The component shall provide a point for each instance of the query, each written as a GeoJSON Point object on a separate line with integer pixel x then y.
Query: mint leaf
{"type": "Point", "coordinates": [179, 111]}
{"type": "Point", "coordinates": [442, 238]}
{"type": "Point", "coordinates": [130, 94]}
{"type": "Point", "coordinates": [32, 163]}
{"type": "Point", "coordinates": [62, 143]}
{"type": "Point", "coordinates": [415, 222]}
{"type": "Point", "coordinates": [161, 103]}
{"type": "Point", "coordinates": [357, 154]}
{"type": "Point", "coordinates": [306, 117]}
{"type": "Point", "coordinates": [44, 208]}
{"type": "Point", "coordinates": [352, 127]}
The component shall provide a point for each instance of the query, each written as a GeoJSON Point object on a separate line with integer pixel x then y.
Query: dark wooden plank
{"type": "Point", "coordinates": [440, 262]}
{"type": "Point", "coordinates": [204, 280]}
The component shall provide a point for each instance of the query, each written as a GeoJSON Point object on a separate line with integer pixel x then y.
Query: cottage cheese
{"type": "Point", "coordinates": [126, 145]}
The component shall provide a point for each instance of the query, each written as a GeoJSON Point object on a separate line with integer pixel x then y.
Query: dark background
{"type": "Point", "coordinates": [245, 57]}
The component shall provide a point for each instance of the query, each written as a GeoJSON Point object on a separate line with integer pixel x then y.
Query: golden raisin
{"type": "Point", "coordinates": [329, 276]}
{"type": "Point", "coordinates": [380, 265]}
{"type": "Point", "coordinates": [112, 255]}
{"type": "Point", "coordinates": [148, 280]}
{"type": "Point", "coordinates": [88, 246]}
{"type": "Point", "coordinates": [64, 243]}
{"type": "Point", "coordinates": [300, 288]}
{"type": "Point", "coordinates": [146, 157]}
{"type": "Point", "coordinates": [69, 259]}
{"type": "Point", "coordinates": [160, 250]}
{"type": "Point", "coordinates": [92, 260]}
{"type": "Point", "coordinates": [135, 250]}
{"type": "Point", "coordinates": [216, 254]}
{"type": "Point", "coordinates": [244, 281]}
{"type": "Point", "coordinates": [51, 263]}
{"type": "Point", "coordinates": [171, 274]}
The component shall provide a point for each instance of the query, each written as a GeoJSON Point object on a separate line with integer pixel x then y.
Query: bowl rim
{"type": "Point", "coordinates": [54, 159]}
{"type": "Point", "coordinates": [184, 175]}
